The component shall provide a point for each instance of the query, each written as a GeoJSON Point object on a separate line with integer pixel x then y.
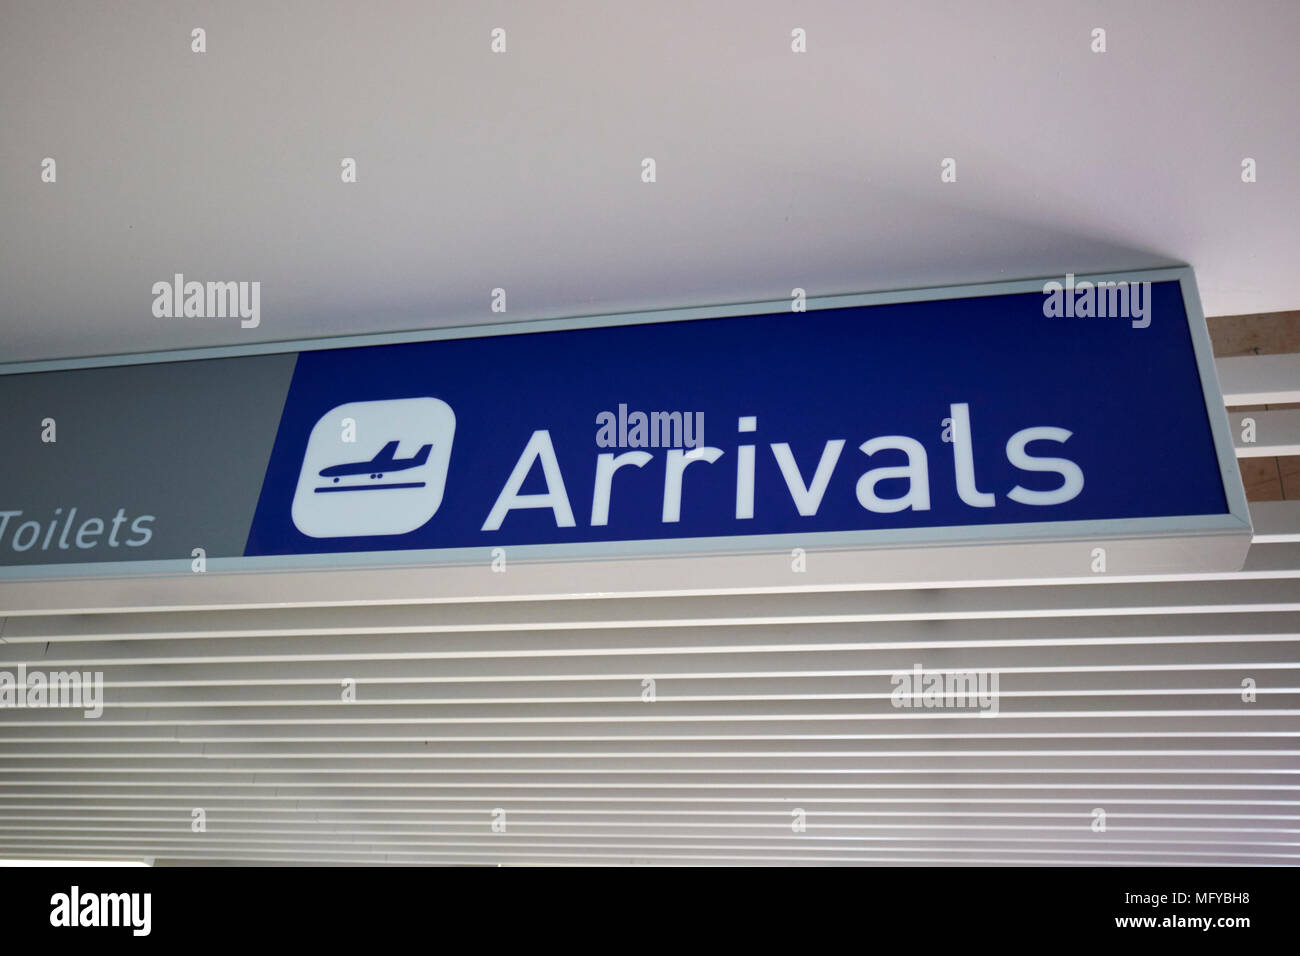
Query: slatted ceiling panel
{"type": "Point", "coordinates": [1120, 693]}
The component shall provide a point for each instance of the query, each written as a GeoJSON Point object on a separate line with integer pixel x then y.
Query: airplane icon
{"type": "Point", "coordinates": [383, 462]}
{"type": "Point", "coordinates": [407, 490]}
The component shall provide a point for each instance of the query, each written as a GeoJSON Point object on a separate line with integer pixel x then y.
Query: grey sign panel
{"type": "Point", "coordinates": [148, 462]}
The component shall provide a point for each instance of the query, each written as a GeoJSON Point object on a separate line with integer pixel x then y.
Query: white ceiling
{"type": "Point", "coordinates": [522, 170]}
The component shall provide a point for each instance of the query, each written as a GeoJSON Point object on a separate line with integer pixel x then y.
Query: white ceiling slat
{"type": "Point", "coordinates": [1276, 521]}
{"type": "Point", "coordinates": [634, 711]}
{"type": "Point", "coordinates": [592, 860]}
{"type": "Point", "coordinates": [680, 675]}
{"type": "Point", "coordinates": [865, 836]}
{"type": "Point", "coordinates": [886, 761]}
{"type": "Point", "coordinates": [408, 586]}
{"type": "Point", "coordinates": [1111, 842]}
{"type": "Point", "coordinates": [803, 847]}
{"type": "Point", "coordinates": [1267, 559]}
{"type": "Point", "coordinates": [1191, 655]}
{"type": "Point", "coordinates": [816, 839]}
{"type": "Point", "coordinates": [595, 809]}
{"type": "Point", "coordinates": [1201, 627]}
{"type": "Point", "coordinates": [1279, 781]}
{"type": "Point", "coordinates": [605, 615]}
{"type": "Point", "coordinates": [337, 799]}
{"type": "Point", "coordinates": [730, 821]}
{"type": "Point", "coordinates": [1260, 379]}
{"type": "Point", "coordinates": [1276, 434]}
{"type": "Point", "coordinates": [957, 743]}
{"type": "Point", "coordinates": [1283, 679]}
{"type": "Point", "coordinates": [377, 856]}
{"type": "Point", "coordinates": [814, 771]}
{"type": "Point", "coordinates": [1112, 726]}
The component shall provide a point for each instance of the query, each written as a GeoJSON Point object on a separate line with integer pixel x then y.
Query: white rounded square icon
{"type": "Point", "coordinates": [374, 468]}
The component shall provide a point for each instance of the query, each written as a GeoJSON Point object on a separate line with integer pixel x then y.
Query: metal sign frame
{"type": "Point", "coordinates": [1227, 535]}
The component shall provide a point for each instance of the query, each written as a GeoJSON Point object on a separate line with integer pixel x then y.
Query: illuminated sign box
{"type": "Point", "coordinates": [1069, 411]}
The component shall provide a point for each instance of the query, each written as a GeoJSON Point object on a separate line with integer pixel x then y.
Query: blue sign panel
{"type": "Point", "coordinates": [1010, 410]}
